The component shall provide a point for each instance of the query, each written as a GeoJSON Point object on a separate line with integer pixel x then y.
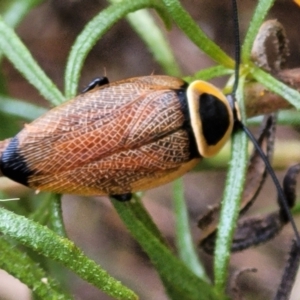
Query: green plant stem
{"type": "Point", "coordinates": [93, 31]}
{"type": "Point", "coordinates": [285, 117]}
{"type": "Point", "coordinates": [143, 22]}
{"type": "Point", "coordinates": [179, 281]}
{"type": "Point", "coordinates": [13, 48]}
{"type": "Point", "coordinates": [184, 241]}
{"type": "Point", "coordinates": [260, 13]}
{"type": "Point", "coordinates": [139, 210]}
{"type": "Point", "coordinates": [185, 22]}
{"type": "Point", "coordinates": [51, 245]}
{"type": "Point", "coordinates": [231, 201]}
{"type": "Point", "coordinates": [209, 73]}
{"type": "Point", "coordinates": [20, 108]}
{"type": "Point", "coordinates": [17, 10]}
{"type": "Point", "coordinates": [27, 271]}
{"type": "Point", "coordinates": [276, 86]}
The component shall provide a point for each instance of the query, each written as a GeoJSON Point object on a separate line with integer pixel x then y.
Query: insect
{"type": "Point", "coordinates": [121, 137]}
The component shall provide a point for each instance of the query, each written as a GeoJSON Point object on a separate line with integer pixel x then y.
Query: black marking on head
{"type": "Point", "coordinates": [13, 165]}
{"type": "Point", "coordinates": [181, 94]}
{"type": "Point", "coordinates": [214, 118]}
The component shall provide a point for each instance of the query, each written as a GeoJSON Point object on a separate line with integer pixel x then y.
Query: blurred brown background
{"type": "Point", "coordinates": [49, 31]}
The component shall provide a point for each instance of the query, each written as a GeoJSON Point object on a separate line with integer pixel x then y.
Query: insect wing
{"type": "Point", "coordinates": [113, 139]}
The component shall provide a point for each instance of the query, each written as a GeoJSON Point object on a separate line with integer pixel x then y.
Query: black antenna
{"type": "Point", "coordinates": [237, 50]}
{"type": "Point", "coordinates": [281, 196]}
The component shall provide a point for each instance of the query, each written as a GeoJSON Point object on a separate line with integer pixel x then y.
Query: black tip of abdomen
{"type": "Point", "coordinates": [13, 165]}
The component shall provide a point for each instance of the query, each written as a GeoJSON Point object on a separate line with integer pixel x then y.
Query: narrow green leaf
{"type": "Point", "coordinates": [209, 73]}
{"type": "Point", "coordinates": [142, 22]}
{"type": "Point", "coordinates": [139, 210]}
{"type": "Point", "coordinates": [276, 86]}
{"type": "Point", "coordinates": [19, 265]}
{"type": "Point", "coordinates": [19, 108]}
{"type": "Point", "coordinates": [285, 117]}
{"type": "Point", "coordinates": [288, 117]}
{"type": "Point", "coordinates": [21, 58]}
{"type": "Point", "coordinates": [230, 202]}
{"type": "Point", "coordinates": [185, 22]}
{"type": "Point", "coordinates": [177, 278]}
{"type": "Point", "coordinates": [51, 245]}
{"type": "Point", "coordinates": [17, 10]}
{"type": "Point", "coordinates": [184, 240]}
{"type": "Point", "coordinates": [93, 31]}
{"type": "Point", "coordinates": [260, 13]}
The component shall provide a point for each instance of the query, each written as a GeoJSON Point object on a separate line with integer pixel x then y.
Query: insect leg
{"type": "Point", "coordinates": [122, 197]}
{"type": "Point", "coordinates": [98, 81]}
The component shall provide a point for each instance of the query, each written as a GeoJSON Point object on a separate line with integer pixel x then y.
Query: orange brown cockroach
{"type": "Point", "coordinates": [121, 137]}
{"type": "Point", "coordinates": [130, 135]}
{"type": "Point", "coordinates": [135, 134]}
